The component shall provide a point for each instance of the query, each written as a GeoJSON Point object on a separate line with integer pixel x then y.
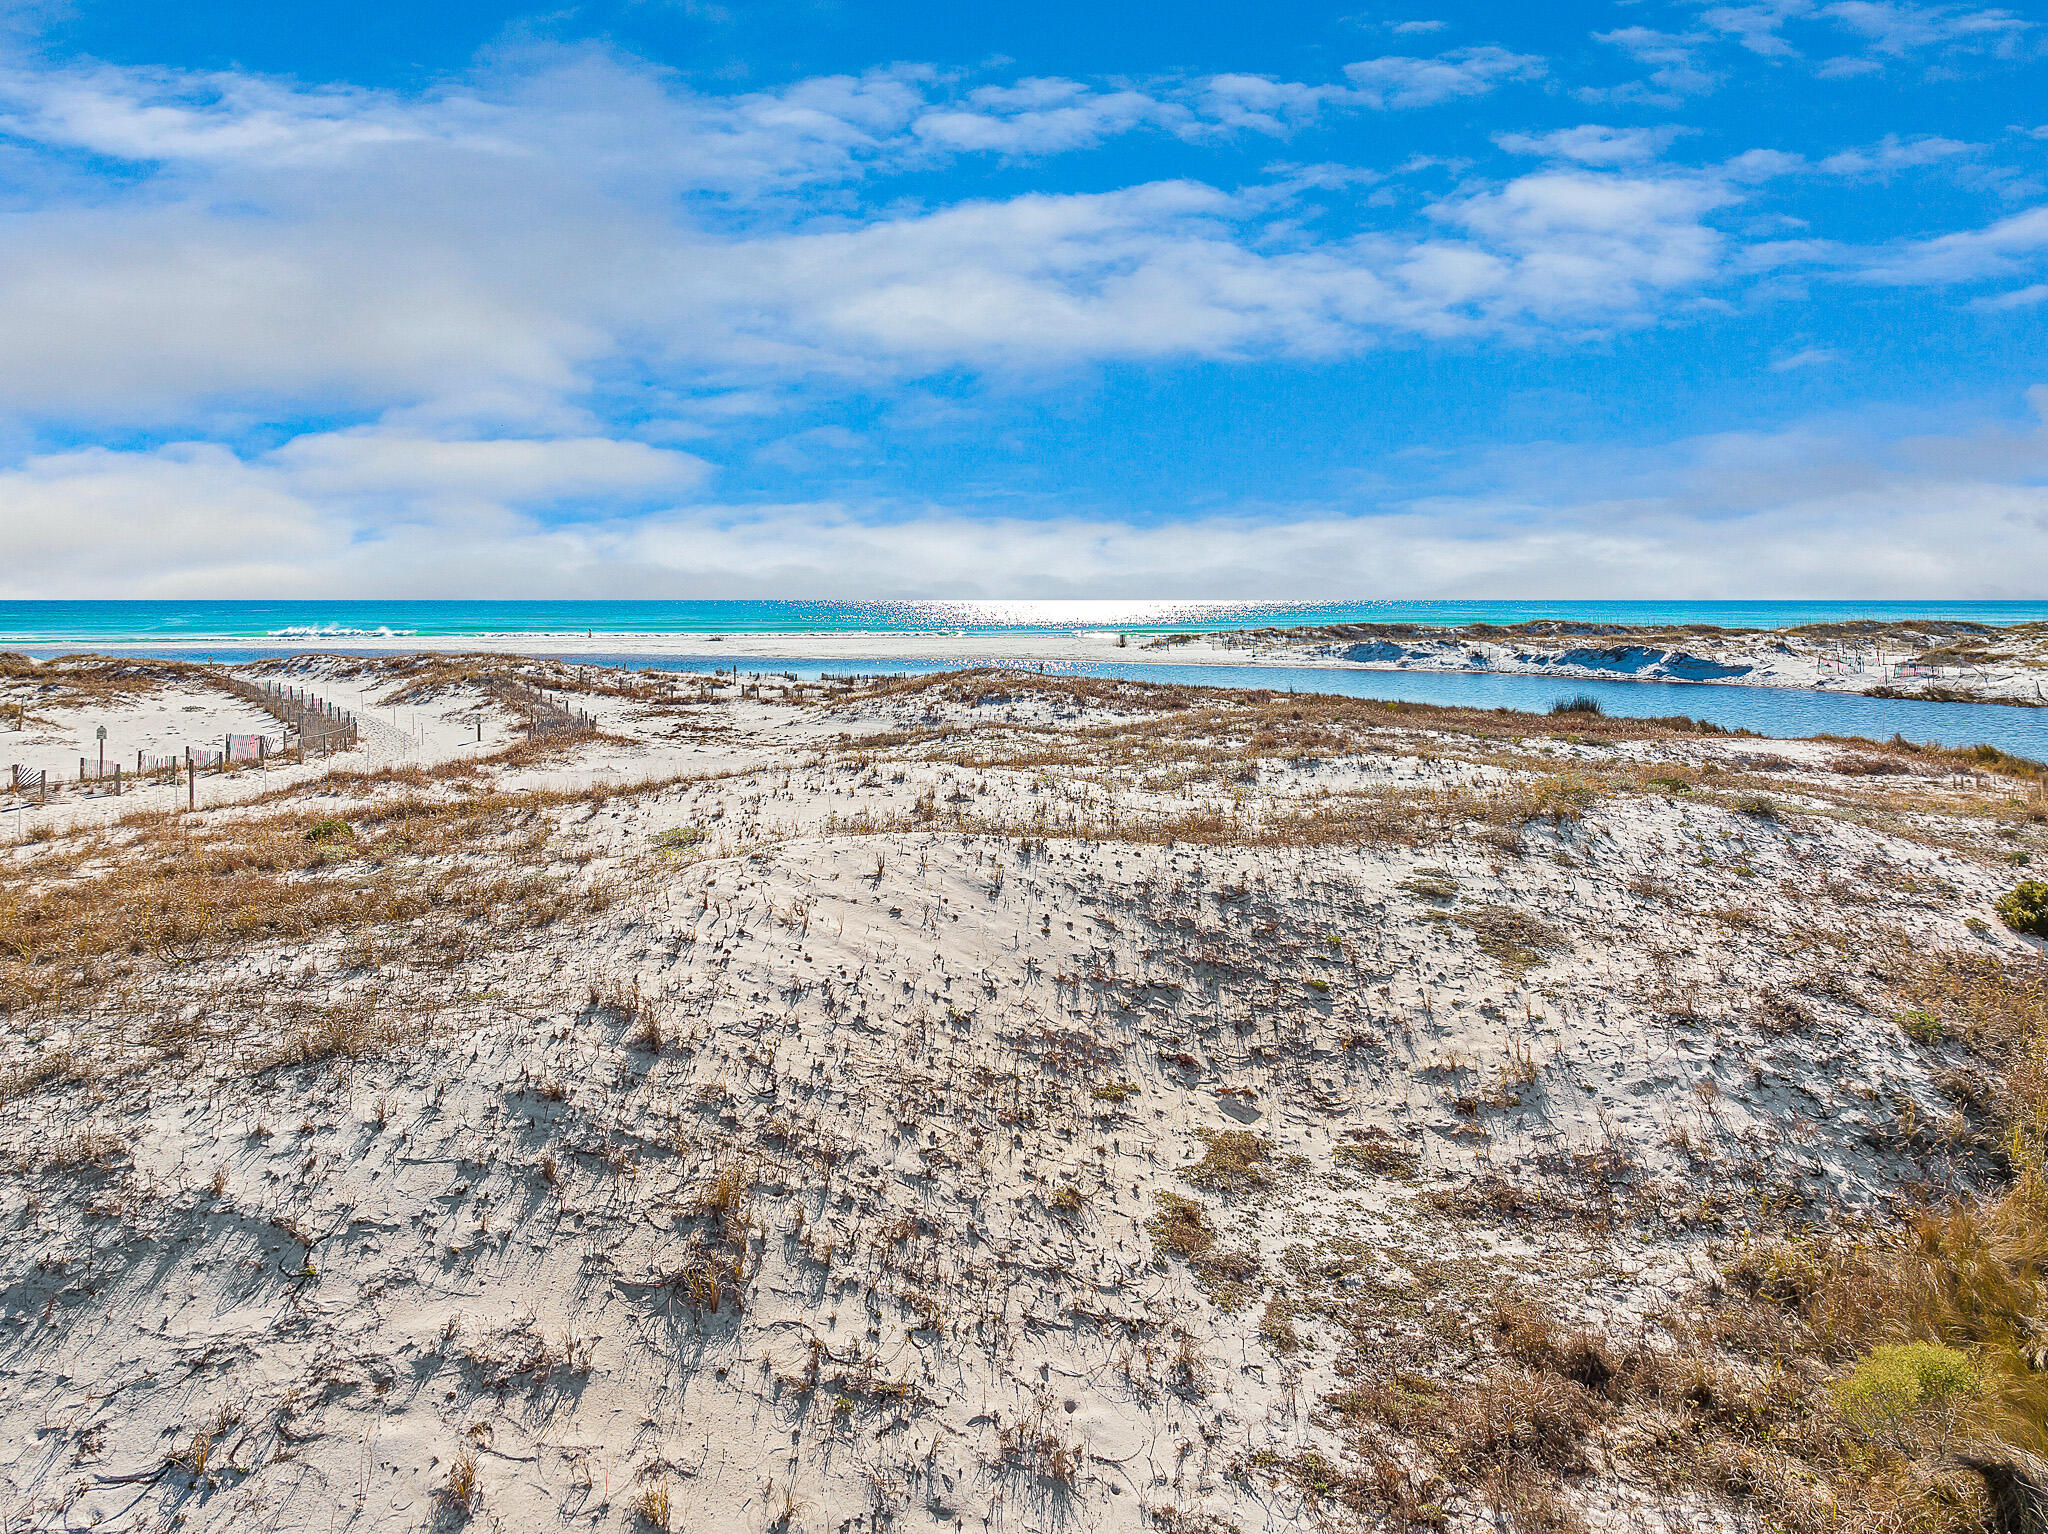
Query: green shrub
{"type": "Point", "coordinates": [1233, 1161]}
{"type": "Point", "coordinates": [2024, 907]}
{"type": "Point", "coordinates": [1921, 1027]}
{"type": "Point", "coordinates": [331, 831]}
{"type": "Point", "coordinates": [1901, 1381]}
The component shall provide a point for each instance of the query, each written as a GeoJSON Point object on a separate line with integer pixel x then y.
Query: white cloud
{"type": "Point", "coordinates": [1591, 144]}
{"type": "Point", "coordinates": [1163, 269]}
{"type": "Point", "coordinates": [1411, 82]}
{"type": "Point", "coordinates": [1847, 66]}
{"type": "Point", "coordinates": [136, 114]}
{"type": "Point", "coordinates": [1587, 245]}
{"type": "Point", "coordinates": [1806, 357]}
{"type": "Point", "coordinates": [1036, 117]}
{"type": "Point", "coordinates": [1827, 511]}
{"type": "Point", "coordinates": [1896, 27]}
{"type": "Point", "coordinates": [1999, 249]}
{"type": "Point", "coordinates": [1883, 29]}
{"type": "Point", "coordinates": [1894, 153]}
{"type": "Point", "coordinates": [489, 256]}
{"type": "Point", "coordinates": [1755, 165]}
{"type": "Point", "coordinates": [1263, 105]}
{"type": "Point", "coordinates": [494, 257]}
{"type": "Point", "coordinates": [2018, 298]}
{"type": "Point", "coordinates": [512, 471]}
{"type": "Point", "coordinates": [149, 313]}
{"type": "Point", "coordinates": [1678, 71]}
{"type": "Point", "coordinates": [1756, 27]}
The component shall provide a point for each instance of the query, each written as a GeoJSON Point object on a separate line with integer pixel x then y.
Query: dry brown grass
{"type": "Point", "coordinates": [463, 1489]}
{"type": "Point", "coordinates": [90, 924]}
{"type": "Point", "coordinates": [1219, 732]}
{"type": "Point", "coordinates": [1181, 1229]}
{"type": "Point", "coordinates": [1512, 938]}
{"type": "Point", "coordinates": [84, 680]}
{"type": "Point", "coordinates": [1035, 1444]}
{"type": "Point", "coordinates": [1373, 817]}
{"type": "Point", "coordinates": [650, 1505]}
{"type": "Point", "coordinates": [1733, 1395]}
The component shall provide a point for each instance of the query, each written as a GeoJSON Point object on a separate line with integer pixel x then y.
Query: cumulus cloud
{"type": "Point", "coordinates": [154, 313]}
{"type": "Point", "coordinates": [1166, 268]}
{"type": "Point", "coordinates": [491, 256]}
{"type": "Point", "coordinates": [493, 252]}
{"type": "Point", "coordinates": [1827, 510]}
{"type": "Point", "coordinates": [193, 516]}
{"type": "Point", "coordinates": [1585, 244]}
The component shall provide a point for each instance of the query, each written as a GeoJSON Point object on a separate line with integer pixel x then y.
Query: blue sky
{"type": "Point", "coordinates": [812, 299]}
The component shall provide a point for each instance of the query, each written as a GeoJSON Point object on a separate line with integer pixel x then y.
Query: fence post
{"type": "Point", "coordinates": [117, 780]}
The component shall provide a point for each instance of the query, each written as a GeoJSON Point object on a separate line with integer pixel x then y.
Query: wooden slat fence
{"type": "Point", "coordinates": [321, 726]}
{"type": "Point", "coordinates": [544, 715]}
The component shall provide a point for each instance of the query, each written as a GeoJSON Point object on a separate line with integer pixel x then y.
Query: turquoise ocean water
{"type": "Point", "coordinates": [63, 622]}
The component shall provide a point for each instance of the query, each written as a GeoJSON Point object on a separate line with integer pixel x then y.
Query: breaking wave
{"type": "Point", "coordinates": [337, 631]}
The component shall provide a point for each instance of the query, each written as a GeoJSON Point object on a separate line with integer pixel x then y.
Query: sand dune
{"type": "Point", "coordinates": [988, 1103]}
